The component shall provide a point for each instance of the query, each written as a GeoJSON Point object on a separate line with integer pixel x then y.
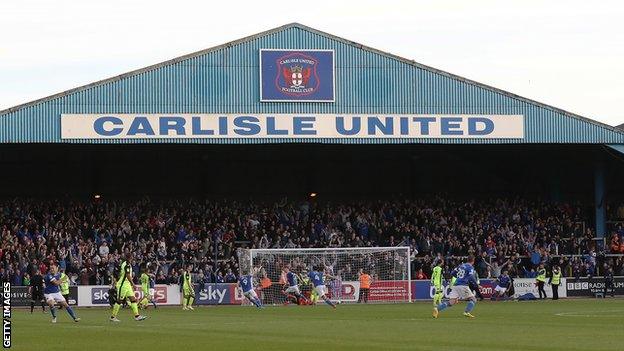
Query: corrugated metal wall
{"type": "Point", "coordinates": [225, 80]}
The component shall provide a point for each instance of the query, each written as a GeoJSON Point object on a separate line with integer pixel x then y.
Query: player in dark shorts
{"type": "Point", "coordinates": [112, 295]}
{"type": "Point", "coordinates": [36, 291]}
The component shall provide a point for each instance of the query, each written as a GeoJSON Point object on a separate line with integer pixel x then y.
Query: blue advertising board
{"type": "Point", "coordinates": [297, 75]}
{"type": "Point", "coordinates": [99, 295]}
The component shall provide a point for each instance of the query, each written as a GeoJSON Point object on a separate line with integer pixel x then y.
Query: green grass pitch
{"type": "Point", "coordinates": [545, 325]}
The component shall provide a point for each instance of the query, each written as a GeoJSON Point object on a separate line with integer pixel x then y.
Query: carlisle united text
{"type": "Point", "coordinates": [290, 125]}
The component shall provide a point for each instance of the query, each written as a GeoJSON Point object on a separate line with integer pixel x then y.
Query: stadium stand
{"type": "Point", "coordinates": [88, 237]}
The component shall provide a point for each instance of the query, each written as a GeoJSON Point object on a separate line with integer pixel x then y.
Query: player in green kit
{"type": "Point", "coordinates": [64, 286]}
{"type": "Point", "coordinates": [125, 290]}
{"type": "Point", "coordinates": [436, 282]}
{"type": "Point", "coordinates": [188, 292]}
{"type": "Point", "coordinates": [147, 288]}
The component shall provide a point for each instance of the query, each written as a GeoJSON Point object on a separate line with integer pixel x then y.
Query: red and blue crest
{"type": "Point", "coordinates": [297, 75]}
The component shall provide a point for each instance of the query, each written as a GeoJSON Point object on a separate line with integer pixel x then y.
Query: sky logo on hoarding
{"type": "Point", "coordinates": [213, 294]}
{"type": "Point", "coordinates": [99, 296]}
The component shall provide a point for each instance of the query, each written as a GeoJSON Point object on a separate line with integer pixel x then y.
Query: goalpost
{"type": "Point", "coordinates": [389, 270]}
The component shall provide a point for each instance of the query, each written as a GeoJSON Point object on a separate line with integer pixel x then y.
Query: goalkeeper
{"type": "Point", "coordinates": [306, 288]}
{"type": "Point", "coordinates": [436, 282]}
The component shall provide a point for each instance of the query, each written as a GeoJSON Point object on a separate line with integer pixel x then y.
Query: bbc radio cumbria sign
{"type": "Point", "coordinates": [240, 126]}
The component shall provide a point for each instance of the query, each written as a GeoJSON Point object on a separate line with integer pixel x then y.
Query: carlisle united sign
{"type": "Point", "coordinates": [330, 126]}
{"type": "Point", "coordinates": [296, 75]}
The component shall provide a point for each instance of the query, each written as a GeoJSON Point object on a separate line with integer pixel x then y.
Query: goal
{"type": "Point", "coordinates": [388, 270]}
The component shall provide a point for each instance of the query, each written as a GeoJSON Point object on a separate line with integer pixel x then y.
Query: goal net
{"type": "Point", "coordinates": [351, 275]}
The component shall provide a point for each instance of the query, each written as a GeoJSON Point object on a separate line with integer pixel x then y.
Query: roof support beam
{"type": "Point", "coordinates": [617, 147]}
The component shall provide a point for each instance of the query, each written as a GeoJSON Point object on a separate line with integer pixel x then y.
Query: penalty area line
{"type": "Point", "coordinates": [601, 313]}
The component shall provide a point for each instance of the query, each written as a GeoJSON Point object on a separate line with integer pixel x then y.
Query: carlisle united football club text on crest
{"type": "Point", "coordinates": [297, 75]}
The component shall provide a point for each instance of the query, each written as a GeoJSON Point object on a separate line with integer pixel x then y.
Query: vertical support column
{"type": "Point", "coordinates": [216, 239]}
{"type": "Point", "coordinates": [600, 199]}
{"type": "Point", "coordinates": [409, 275]}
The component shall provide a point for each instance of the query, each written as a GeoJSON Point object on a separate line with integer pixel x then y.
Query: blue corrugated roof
{"type": "Point", "coordinates": [224, 79]}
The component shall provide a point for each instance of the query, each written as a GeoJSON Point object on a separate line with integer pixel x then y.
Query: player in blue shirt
{"type": "Point", "coordinates": [52, 292]}
{"type": "Point", "coordinates": [246, 284]}
{"type": "Point", "coordinates": [292, 285]}
{"type": "Point", "coordinates": [501, 286]}
{"type": "Point", "coordinates": [463, 275]}
{"type": "Point", "coordinates": [316, 277]}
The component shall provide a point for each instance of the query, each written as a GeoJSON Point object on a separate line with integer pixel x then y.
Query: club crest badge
{"type": "Point", "coordinates": [296, 75]}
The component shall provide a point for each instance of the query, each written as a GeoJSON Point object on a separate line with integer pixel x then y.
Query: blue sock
{"type": "Point", "coordinates": [443, 306]}
{"type": "Point", "coordinates": [256, 301]}
{"type": "Point", "coordinates": [53, 311]}
{"type": "Point", "coordinates": [471, 305]}
{"type": "Point", "coordinates": [328, 301]}
{"type": "Point", "coordinates": [71, 312]}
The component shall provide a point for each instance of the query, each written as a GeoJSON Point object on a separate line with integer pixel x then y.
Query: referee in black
{"type": "Point", "coordinates": [36, 290]}
{"type": "Point", "coordinates": [609, 283]}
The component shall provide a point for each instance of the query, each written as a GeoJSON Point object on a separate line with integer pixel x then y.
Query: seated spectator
{"type": "Point", "coordinates": [230, 277]}
{"type": "Point", "coordinates": [219, 278]}
{"type": "Point", "coordinates": [615, 244]}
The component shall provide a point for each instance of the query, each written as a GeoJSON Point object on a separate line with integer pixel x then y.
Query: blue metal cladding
{"type": "Point", "coordinates": [225, 80]}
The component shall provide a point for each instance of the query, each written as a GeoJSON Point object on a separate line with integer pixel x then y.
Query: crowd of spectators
{"type": "Point", "coordinates": [88, 238]}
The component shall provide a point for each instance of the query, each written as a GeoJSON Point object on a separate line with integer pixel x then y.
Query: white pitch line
{"type": "Point", "coordinates": [602, 313]}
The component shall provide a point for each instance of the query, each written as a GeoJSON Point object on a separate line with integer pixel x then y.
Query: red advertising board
{"type": "Point", "coordinates": [486, 287]}
{"type": "Point", "coordinates": [390, 290]}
